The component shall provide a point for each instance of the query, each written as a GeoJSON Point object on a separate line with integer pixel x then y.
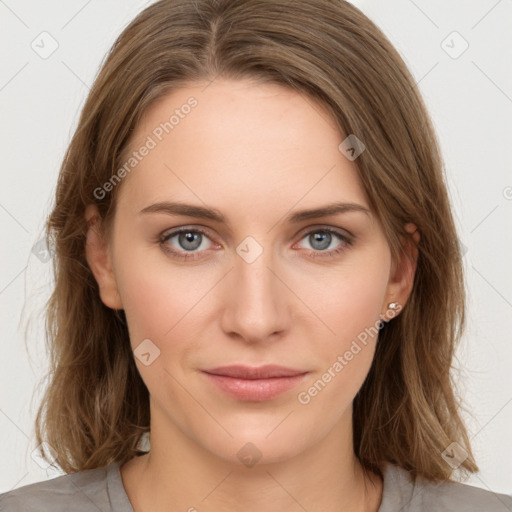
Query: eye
{"type": "Point", "coordinates": [321, 238]}
{"type": "Point", "coordinates": [188, 241]}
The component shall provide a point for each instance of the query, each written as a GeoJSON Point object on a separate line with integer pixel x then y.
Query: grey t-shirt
{"type": "Point", "coordinates": [102, 490]}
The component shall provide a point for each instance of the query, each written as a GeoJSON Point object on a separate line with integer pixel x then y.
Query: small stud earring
{"type": "Point", "coordinates": [393, 305]}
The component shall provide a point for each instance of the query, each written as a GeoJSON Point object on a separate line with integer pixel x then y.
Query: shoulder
{"type": "Point", "coordinates": [457, 496]}
{"type": "Point", "coordinates": [421, 495]}
{"type": "Point", "coordinates": [81, 491]}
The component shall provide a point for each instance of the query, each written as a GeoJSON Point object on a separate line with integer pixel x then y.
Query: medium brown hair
{"type": "Point", "coordinates": [96, 406]}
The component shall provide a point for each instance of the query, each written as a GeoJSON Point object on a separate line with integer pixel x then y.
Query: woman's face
{"type": "Point", "coordinates": [266, 285]}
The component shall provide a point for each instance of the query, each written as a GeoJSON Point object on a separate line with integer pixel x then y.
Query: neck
{"type": "Point", "coordinates": [179, 474]}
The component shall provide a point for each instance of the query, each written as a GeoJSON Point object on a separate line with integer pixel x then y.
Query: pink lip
{"type": "Point", "coordinates": [255, 384]}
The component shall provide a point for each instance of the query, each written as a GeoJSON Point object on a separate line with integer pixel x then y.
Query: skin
{"type": "Point", "coordinates": [257, 153]}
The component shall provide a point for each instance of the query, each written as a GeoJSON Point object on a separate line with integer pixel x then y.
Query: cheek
{"type": "Point", "coordinates": [348, 302]}
{"type": "Point", "coordinates": [349, 299]}
{"type": "Point", "coordinates": [159, 306]}
{"type": "Point", "coordinates": [156, 295]}
{"type": "Point", "coordinates": [345, 353]}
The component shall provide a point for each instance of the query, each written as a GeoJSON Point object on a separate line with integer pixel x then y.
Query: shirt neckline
{"type": "Point", "coordinates": [398, 489]}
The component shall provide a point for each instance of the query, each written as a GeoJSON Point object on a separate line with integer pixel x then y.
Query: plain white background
{"type": "Point", "coordinates": [466, 80]}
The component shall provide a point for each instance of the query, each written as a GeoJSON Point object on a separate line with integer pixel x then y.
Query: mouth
{"type": "Point", "coordinates": [254, 384]}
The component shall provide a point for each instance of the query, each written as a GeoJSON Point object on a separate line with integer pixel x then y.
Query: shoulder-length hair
{"type": "Point", "coordinates": [96, 406]}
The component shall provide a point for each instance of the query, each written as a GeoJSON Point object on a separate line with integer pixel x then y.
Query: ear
{"type": "Point", "coordinates": [402, 273]}
{"type": "Point", "coordinates": [99, 259]}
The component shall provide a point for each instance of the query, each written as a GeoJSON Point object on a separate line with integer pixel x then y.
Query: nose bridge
{"type": "Point", "coordinates": [256, 282]}
{"type": "Point", "coordinates": [257, 305]}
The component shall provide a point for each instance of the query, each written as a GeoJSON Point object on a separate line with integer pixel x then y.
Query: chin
{"type": "Point", "coordinates": [256, 448]}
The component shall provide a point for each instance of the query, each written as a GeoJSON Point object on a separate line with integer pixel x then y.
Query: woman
{"type": "Point", "coordinates": [255, 262]}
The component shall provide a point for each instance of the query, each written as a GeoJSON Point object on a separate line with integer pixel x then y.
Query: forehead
{"type": "Point", "coordinates": [256, 144]}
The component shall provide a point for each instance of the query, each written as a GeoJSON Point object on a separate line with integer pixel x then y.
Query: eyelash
{"type": "Point", "coordinates": [346, 242]}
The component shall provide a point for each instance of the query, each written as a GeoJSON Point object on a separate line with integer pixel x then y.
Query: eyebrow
{"type": "Point", "coordinates": [200, 212]}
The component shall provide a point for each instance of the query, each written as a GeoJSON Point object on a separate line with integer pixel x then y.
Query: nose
{"type": "Point", "coordinates": [256, 305]}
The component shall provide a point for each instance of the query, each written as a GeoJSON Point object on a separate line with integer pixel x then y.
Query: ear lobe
{"type": "Point", "coordinates": [98, 257]}
{"type": "Point", "coordinates": [401, 278]}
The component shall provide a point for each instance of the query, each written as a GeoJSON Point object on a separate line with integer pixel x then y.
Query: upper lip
{"type": "Point", "coordinates": [255, 372]}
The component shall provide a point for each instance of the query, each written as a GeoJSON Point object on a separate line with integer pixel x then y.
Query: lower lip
{"type": "Point", "coordinates": [255, 390]}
